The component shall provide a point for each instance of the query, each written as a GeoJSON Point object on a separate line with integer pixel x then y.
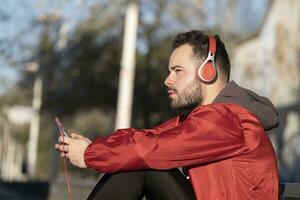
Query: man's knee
{"type": "Point", "coordinates": [168, 184]}
{"type": "Point", "coordinates": [125, 185]}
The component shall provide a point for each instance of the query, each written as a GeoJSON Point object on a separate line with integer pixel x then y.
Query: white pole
{"type": "Point", "coordinates": [11, 152]}
{"type": "Point", "coordinates": [6, 144]}
{"type": "Point", "coordinates": [126, 79]}
{"type": "Point", "coordinates": [34, 125]}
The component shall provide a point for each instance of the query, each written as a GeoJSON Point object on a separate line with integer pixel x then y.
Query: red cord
{"type": "Point", "coordinates": [66, 172]}
{"type": "Point", "coordinates": [62, 131]}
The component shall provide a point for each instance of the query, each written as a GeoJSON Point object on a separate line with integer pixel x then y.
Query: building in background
{"type": "Point", "coordinates": [269, 63]}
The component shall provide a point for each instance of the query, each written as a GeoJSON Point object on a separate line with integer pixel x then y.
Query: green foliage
{"type": "Point", "coordinates": [86, 77]}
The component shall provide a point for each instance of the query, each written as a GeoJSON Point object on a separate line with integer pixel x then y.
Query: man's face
{"type": "Point", "coordinates": [184, 88]}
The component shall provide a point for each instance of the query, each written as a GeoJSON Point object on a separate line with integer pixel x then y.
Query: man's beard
{"type": "Point", "coordinates": [189, 98]}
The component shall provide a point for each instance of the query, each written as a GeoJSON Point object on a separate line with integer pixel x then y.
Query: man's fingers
{"type": "Point", "coordinates": [63, 148]}
{"type": "Point", "coordinates": [88, 140]}
{"type": "Point", "coordinates": [80, 137]}
{"type": "Point", "coordinates": [64, 139]}
{"type": "Point", "coordinates": [76, 136]}
{"type": "Point", "coordinates": [64, 155]}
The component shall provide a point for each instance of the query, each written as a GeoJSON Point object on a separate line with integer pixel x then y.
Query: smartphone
{"type": "Point", "coordinates": [61, 127]}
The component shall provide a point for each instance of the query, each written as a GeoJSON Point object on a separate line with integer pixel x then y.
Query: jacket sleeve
{"type": "Point", "coordinates": [211, 133]}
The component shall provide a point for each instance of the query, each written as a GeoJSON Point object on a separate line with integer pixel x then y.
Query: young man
{"type": "Point", "coordinates": [218, 138]}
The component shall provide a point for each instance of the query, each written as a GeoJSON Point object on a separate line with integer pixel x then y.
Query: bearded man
{"type": "Point", "coordinates": [219, 137]}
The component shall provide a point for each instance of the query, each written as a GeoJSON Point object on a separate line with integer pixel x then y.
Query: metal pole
{"type": "Point", "coordinates": [126, 79]}
{"type": "Point", "coordinates": [34, 125]}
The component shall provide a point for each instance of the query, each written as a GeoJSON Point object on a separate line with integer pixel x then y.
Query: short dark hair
{"type": "Point", "coordinates": [199, 41]}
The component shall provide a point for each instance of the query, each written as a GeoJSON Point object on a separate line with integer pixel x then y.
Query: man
{"type": "Point", "coordinates": [218, 138]}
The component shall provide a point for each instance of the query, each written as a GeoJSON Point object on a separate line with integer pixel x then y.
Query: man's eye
{"type": "Point", "coordinates": [178, 70]}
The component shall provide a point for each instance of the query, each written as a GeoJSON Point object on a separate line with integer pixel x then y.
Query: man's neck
{"type": "Point", "coordinates": [211, 92]}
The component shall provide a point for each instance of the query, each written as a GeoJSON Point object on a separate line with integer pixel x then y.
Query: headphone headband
{"type": "Point", "coordinates": [212, 45]}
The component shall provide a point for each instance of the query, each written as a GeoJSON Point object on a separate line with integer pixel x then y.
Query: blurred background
{"type": "Point", "coordinates": [100, 65]}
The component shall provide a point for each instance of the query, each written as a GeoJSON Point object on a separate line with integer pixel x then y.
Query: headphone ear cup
{"type": "Point", "coordinates": [207, 72]}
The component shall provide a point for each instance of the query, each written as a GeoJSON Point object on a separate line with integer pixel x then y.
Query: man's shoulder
{"type": "Point", "coordinates": [226, 107]}
{"type": "Point", "coordinates": [216, 111]}
{"type": "Point", "coordinates": [226, 111]}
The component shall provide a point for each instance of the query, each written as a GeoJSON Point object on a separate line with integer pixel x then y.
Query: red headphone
{"type": "Point", "coordinates": [207, 72]}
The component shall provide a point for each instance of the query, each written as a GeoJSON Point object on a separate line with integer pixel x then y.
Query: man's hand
{"type": "Point", "coordinates": [73, 148]}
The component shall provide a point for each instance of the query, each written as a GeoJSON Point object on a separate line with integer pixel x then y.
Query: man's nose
{"type": "Point", "coordinates": [168, 81]}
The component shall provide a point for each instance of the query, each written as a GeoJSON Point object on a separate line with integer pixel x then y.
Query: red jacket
{"type": "Point", "coordinates": [224, 145]}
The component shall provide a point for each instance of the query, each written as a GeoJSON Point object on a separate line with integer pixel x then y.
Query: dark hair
{"type": "Point", "coordinates": [199, 41]}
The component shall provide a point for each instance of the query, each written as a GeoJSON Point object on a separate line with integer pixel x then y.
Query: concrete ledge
{"type": "Point", "coordinates": [289, 191]}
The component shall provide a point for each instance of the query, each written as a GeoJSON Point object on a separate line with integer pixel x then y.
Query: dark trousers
{"type": "Point", "coordinates": [153, 184]}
